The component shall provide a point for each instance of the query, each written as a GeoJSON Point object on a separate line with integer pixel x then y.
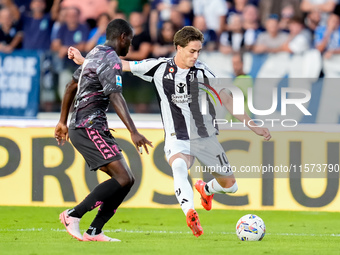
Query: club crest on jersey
{"type": "Point", "coordinates": [191, 76]}
{"type": "Point", "coordinates": [181, 88]}
{"type": "Point", "coordinates": [171, 69]}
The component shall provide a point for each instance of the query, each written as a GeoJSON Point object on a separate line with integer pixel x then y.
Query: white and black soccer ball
{"type": "Point", "coordinates": [250, 227]}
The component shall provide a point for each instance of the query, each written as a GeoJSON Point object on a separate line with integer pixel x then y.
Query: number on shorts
{"type": "Point", "coordinates": [222, 158]}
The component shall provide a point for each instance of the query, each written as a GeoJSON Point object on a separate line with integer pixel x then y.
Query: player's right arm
{"type": "Point", "coordinates": [74, 54]}
{"type": "Point", "coordinates": [61, 130]}
{"type": "Point", "coordinates": [227, 101]}
{"type": "Point", "coordinates": [138, 68]}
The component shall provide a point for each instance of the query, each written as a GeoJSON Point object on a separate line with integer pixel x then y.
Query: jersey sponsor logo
{"type": "Point", "coordinates": [137, 62]}
{"type": "Point", "coordinates": [116, 66]}
{"type": "Point", "coordinates": [119, 81]}
{"type": "Point", "coordinates": [181, 88]}
{"type": "Point", "coordinates": [181, 99]}
{"type": "Point", "coordinates": [169, 76]}
{"type": "Point", "coordinates": [171, 69]}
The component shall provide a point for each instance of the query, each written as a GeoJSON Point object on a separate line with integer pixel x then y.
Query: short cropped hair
{"type": "Point", "coordinates": [116, 28]}
{"type": "Point", "coordinates": [186, 35]}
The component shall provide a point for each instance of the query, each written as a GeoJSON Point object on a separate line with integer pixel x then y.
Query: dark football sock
{"type": "Point", "coordinates": [106, 211]}
{"type": "Point", "coordinates": [96, 198]}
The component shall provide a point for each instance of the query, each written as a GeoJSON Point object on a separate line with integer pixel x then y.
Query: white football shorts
{"type": "Point", "coordinates": [208, 151]}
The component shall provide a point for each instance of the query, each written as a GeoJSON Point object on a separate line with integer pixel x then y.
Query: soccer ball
{"type": "Point", "coordinates": [250, 227]}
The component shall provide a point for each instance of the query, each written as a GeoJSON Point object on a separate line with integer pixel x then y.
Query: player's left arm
{"type": "Point", "coordinates": [227, 101]}
{"type": "Point", "coordinates": [119, 104]}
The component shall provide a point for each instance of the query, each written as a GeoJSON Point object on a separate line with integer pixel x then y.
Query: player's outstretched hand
{"type": "Point", "coordinates": [140, 141]}
{"type": "Point", "coordinates": [75, 55]}
{"type": "Point", "coordinates": [263, 132]}
{"type": "Point", "coordinates": [61, 133]}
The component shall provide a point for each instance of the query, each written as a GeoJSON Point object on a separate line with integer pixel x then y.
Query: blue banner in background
{"type": "Point", "coordinates": [19, 84]}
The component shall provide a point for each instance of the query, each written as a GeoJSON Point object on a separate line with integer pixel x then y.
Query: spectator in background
{"type": "Point", "coordinates": [273, 39]}
{"type": "Point", "coordinates": [98, 34]}
{"type": "Point", "coordinates": [12, 7]}
{"type": "Point", "coordinates": [324, 6]}
{"type": "Point", "coordinates": [10, 34]}
{"type": "Point", "coordinates": [177, 11]}
{"type": "Point", "coordinates": [312, 21]}
{"type": "Point", "coordinates": [233, 40]}
{"type": "Point", "coordinates": [213, 12]}
{"type": "Point", "coordinates": [210, 37]}
{"type": "Point", "coordinates": [237, 7]}
{"type": "Point", "coordinates": [23, 5]}
{"type": "Point", "coordinates": [141, 43]}
{"type": "Point", "coordinates": [287, 13]}
{"type": "Point", "coordinates": [242, 81]}
{"type": "Point", "coordinates": [164, 46]}
{"type": "Point", "coordinates": [121, 15]}
{"type": "Point", "coordinates": [127, 7]}
{"type": "Point", "coordinates": [250, 17]}
{"type": "Point", "coordinates": [299, 38]}
{"type": "Point", "coordinates": [251, 25]}
{"type": "Point", "coordinates": [267, 7]}
{"type": "Point", "coordinates": [72, 33]}
{"type": "Point", "coordinates": [89, 9]}
{"type": "Point", "coordinates": [139, 94]}
{"type": "Point", "coordinates": [230, 3]}
{"type": "Point", "coordinates": [327, 38]}
{"type": "Point", "coordinates": [37, 25]}
{"type": "Point", "coordinates": [58, 23]}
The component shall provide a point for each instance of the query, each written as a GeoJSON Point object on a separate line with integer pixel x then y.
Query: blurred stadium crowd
{"type": "Point", "coordinates": [229, 26]}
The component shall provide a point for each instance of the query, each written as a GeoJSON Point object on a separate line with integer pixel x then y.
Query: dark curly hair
{"type": "Point", "coordinates": [116, 28]}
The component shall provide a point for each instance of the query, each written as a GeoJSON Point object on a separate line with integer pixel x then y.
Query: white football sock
{"type": "Point", "coordinates": [183, 189]}
{"type": "Point", "coordinates": [215, 187]}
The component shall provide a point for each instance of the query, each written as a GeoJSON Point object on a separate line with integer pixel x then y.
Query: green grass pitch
{"type": "Point", "coordinates": [37, 230]}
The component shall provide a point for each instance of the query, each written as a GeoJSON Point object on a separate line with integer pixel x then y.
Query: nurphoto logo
{"type": "Point", "coordinates": [291, 99]}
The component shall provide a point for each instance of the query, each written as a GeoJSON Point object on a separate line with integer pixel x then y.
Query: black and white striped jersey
{"type": "Point", "coordinates": [185, 95]}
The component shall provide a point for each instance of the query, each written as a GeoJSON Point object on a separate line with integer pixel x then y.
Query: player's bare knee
{"type": "Point", "coordinates": [126, 180]}
{"type": "Point", "coordinates": [132, 180]}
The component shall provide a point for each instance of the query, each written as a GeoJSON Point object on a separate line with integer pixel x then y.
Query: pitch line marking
{"type": "Point", "coordinates": [160, 232]}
